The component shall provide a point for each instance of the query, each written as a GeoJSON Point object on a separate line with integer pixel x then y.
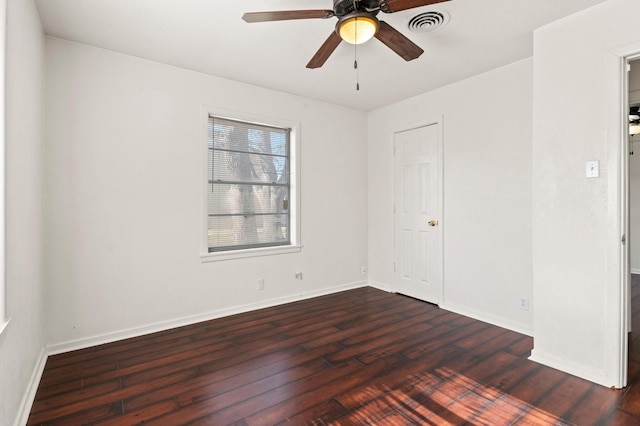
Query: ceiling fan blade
{"type": "Point", "coordinates": [390, 6]}
{"type": "Point", "coordinates": [398, 42]}
{"type": "Point", "coordinates": [284, 15]}
{"type": "Point", "coordinates": [325, 51]}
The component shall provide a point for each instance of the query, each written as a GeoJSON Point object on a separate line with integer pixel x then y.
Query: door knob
{"type": "Point", "coordinates": [432, 223]}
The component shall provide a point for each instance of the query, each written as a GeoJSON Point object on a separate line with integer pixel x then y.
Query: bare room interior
{"type": "Point", "coordinates": [441, 228]}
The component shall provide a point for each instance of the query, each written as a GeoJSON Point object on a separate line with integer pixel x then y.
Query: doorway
{"type": "Point", "coordinates": [633, 167]}
{"type": "Point", "coordinates": [632, 274]}
{"type": "Point", "coordinates": [418, 268]}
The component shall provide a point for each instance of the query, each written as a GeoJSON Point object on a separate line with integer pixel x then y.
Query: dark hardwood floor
{"type": "Point", "coordinates": [361, 357]}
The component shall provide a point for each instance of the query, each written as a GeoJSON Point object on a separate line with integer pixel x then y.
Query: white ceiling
{"type": "Point", "coordinates": [209, 36]}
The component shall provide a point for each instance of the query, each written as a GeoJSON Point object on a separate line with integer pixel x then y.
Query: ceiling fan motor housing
{"type": "Point", "coordinates": [345, 7]}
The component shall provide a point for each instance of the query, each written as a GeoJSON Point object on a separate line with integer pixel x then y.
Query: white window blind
{"type": "Point", "coordinates": [249, 185]}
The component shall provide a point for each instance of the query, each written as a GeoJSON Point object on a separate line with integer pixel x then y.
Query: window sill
{"type": "Point", "coordinates": [241, 254]}
{"type": "Point", "coordinates": [3, 325]}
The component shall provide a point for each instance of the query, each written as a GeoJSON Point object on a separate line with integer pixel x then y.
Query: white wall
{"type": "Point", "coordinates": [22, 342]}
{"type": "Point", "coordinates": [487, 192]}
{"type": "Point", "coordinates": [578, 116]}
{"type": "Point", "coordinates": [123, 189]}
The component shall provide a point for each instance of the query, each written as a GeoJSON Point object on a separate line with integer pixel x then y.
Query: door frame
{"type": "Point", "coordinates": [619, 310]}
{"type": "Point", "coordinates": [623, 233]}
{"type": "Point", "coordinates": [438, 121]}
{"type": "Point", "coordinates": [625, 56]}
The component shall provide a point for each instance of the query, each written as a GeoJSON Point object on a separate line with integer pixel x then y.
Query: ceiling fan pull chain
{"type": "Point", "coordinates": [355, 59]}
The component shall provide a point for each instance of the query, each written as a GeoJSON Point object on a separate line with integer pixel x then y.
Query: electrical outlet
{"type": "Point", "coordinates": [261, 284]}
{"type": "Point", "coordinates": [524, 303]}
{"type": "Point", "coordinates": [298, 275]}
{"type": "Point", "coordinates": [364, 271]}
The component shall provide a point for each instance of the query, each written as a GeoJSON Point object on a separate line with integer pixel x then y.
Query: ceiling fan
{"type": "Point", "coordinates": [357, 23]}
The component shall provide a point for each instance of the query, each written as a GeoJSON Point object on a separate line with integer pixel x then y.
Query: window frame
{"type": "Point", "coordinates": [294, 177]}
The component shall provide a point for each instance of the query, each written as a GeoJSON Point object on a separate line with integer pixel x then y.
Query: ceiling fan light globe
{"type": "Point", "coordinates": [357, 29]}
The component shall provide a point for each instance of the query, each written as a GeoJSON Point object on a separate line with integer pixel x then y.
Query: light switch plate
{"type": "Point", "coordinates": [593, 169]}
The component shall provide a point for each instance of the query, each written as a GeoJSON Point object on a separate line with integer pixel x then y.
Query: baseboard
{"type": "Point", "coordinates": [635, 271]}
{"type": "Point", "coordinates": [381, 286]}
{"type": "Point", "coordinates": [480, 316]}
{"type": "Point", "coordinates": [73, 345]}
{"type": "Point", "coordinates": [491, 319]}
{"type": "Point", "coordinates": [578, 370]}
{"type": "Point", "coordinates": [30, 394]}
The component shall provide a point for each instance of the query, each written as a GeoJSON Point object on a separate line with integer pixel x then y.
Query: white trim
{"type": "Point", "coordinates": [597, 376]}
{"type": "Point", "coordinates": [30, 394]}
{"type": "Point", "coordinates": [470, 313]}
{"type": "Point", "coordinates": [4, 324]}
{"type": "Point", "coordinates": [490, 319]}
{"type": "Point", "coordinates": [3, 52]}
{"type": "Point", "coordinates": [239, 254]}
{"type": "Point", "coordinates": [617, 293]}
{"type": "Point", "coordinates": [635, 271]}
{"type": "Point", "coordinates": [294, 177]}
{"type": "Point", "coordinates": [617, 362]}
{"type": "Point", "coordinates": [381, 286]}
{"type": "Point", "coordinates": [192, 319]}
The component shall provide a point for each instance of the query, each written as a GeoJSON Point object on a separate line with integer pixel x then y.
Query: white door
{"type": "Point", "coordinates": [418, 213]}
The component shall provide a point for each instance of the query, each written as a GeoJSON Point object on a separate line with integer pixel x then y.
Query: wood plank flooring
{"type": "Point", "coordinates": [360, 357]}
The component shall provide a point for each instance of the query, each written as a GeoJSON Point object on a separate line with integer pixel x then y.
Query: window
{"type": "Point", "coordinates": [251, 200]}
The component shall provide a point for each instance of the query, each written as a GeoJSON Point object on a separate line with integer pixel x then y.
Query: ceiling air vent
{"type": "Point", "coordinates": [428, 21]}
